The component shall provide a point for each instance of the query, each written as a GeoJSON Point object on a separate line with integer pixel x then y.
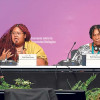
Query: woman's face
{"type": "Point", "coordinates": [96, 37]}
{"type": "Point", "coordinates": [18, 37]}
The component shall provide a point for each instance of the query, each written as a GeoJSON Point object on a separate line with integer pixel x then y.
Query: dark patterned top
{"type": "Point", "coordinates": [83, 50]}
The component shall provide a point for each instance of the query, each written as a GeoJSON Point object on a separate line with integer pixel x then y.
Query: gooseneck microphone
{"type": "Point", "coordinates": [15, 42]}
{"type": "Point", "coordinates": [70, 51]}
{"type": "Point", "coordinates": [67, 62]}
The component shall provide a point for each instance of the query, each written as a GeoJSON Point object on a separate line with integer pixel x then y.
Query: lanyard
{"type": "Point", "coordinates": [93, 49]}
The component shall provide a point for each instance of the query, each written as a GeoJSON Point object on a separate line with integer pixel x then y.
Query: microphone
{"type": "Point", "coordinates": [5, 58]}
{"type": "Point", "coordinates": [70, 51]}
{"type": "Point", "coordinates": [15, 42]}
{"type": "Point", "coordinates": [68, 62]}
{"type": "Point", "coordinates": [15, 47]}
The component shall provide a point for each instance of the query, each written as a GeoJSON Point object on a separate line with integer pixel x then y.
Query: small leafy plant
{"type": "Point", "coordinates": [19, 84]}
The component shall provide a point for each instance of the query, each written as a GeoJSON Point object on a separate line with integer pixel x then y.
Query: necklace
{"type": "Point", "coordinates": [93, 49]}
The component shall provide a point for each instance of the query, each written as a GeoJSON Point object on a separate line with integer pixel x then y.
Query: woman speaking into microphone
{"type": "Point", "coordinates": [17, 41]}
{"type": "Point", "coordinates": [90, 48]}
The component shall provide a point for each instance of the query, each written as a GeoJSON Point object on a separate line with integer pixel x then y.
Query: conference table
{"type": "Point", "coordinates": [56, 77]}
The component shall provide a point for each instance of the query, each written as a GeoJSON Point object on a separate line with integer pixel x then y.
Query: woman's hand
{"type": "Point", "coordinates": [6, 54]}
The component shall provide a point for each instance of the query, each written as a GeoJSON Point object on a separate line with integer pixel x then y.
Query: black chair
{"type": "Point", "coordinates": [73, 52]}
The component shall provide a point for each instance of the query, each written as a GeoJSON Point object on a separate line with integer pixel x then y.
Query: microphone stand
{"type": "Point", "coordinates": [67, 62]}
{"type": "Point", "coordinates": [70, 52]}
{"type": "Point", "coordinates": [5, 58]}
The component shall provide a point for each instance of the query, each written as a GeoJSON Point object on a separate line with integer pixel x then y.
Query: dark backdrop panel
{"type": "Point", "coordinates": [52, 79]}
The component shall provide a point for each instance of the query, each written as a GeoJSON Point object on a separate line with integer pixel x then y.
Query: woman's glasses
{"type": "Point", "coordinates": [17, 33]}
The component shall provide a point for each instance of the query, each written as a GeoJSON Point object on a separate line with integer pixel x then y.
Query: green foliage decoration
{"type": "Point", "coordinates": [83, 85]}
{"type": "Point", "coordinates": [19, 84]}
{"type": "Point", "coordinates": [93, 94]}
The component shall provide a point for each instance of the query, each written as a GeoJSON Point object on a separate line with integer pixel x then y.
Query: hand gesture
{"type": "Point", "coordinates": [6, 54]}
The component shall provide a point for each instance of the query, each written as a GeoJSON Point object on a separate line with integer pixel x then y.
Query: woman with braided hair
{"type": "Point", "coordinates": [17, 41]}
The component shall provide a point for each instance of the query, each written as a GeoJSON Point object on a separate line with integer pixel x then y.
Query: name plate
{"type": "Point", "coordinates": [93, 60]}
{"type": "Point", "coordinates": [27, 60]}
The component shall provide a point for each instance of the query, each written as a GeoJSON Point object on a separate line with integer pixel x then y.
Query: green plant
{"type": "Point", "coordinates": [93, 94]}
{"type": "Point", "coordinates": [19, 84]}
{"type": "Point", "coordinates": [83, 85]}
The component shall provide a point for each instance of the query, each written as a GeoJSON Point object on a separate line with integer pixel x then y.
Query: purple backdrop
{"type": "Point", "coordinates": [54, 24]}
